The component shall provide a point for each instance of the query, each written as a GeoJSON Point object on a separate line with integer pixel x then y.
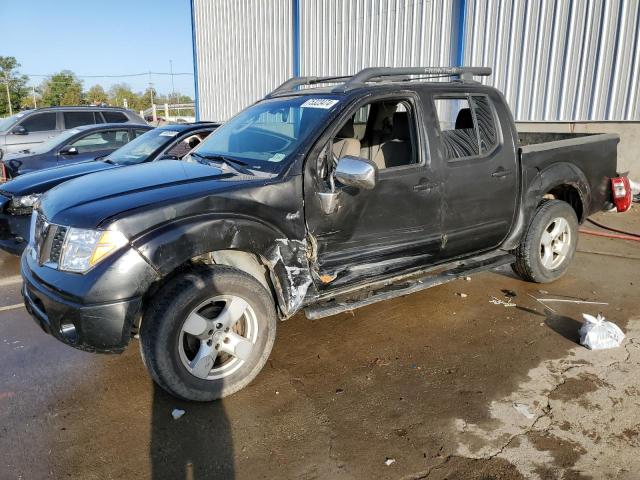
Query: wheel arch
{"type": "Point", "coordinates": [279, 263]}
{"type": "Point", "coordinates": [562, 181]}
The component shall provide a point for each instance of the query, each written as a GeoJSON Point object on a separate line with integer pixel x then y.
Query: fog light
{"type": "Point", "coordinates": [68, 331]}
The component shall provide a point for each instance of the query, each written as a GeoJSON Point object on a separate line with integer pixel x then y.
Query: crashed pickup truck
{"type": "Point", "coordinates": [329, 194]}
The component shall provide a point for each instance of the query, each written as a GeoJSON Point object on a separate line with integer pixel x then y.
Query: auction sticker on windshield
{"type": "Point", "coordinates": [325, 103]}
{"type": "Point", "coordinates": [168, 133]}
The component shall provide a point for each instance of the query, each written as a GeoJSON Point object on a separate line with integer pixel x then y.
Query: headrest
{"type": "Point", "coordinates": [401, 126]}
{"type": "Point", "coordinates": [464, 119]}
{"type": "Point", "coordinates": [347, 130]}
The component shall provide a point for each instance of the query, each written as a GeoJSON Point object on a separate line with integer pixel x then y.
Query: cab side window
{"type": "Point", "coordinates": [110, 139]}
{"type": "Point", "coordinates": [40, 122]}
{"type": "Point", "coordinates": [467, 125]}
{"type": "Point", "coordinates": [382, 132]}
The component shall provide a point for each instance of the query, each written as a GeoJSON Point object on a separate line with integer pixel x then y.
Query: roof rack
{"type": "Point", "coordinates": [295, 82]}
{"type": "Point", "coordinates": [381, 74]}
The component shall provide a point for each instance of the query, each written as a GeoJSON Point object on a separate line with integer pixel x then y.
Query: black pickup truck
{"type": "Point", "coordinates": [323, 199]}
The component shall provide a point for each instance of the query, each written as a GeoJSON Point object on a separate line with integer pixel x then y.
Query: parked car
{"type": "Point", "coordinates": [314, 199]}
{"type": "Point", "coordinates": [80, 144]}
{"type": "Point", "coordinates": [26, 129]}
{"type": "Point", "coordinates": [18, 196]}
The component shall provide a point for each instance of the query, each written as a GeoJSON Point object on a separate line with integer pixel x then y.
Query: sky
{"type": "Point", "coordinates": [94, 37]}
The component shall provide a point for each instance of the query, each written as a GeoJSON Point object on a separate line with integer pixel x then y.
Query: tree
{"type": "Point", "coordinates": [14, 94]}
{"type": "Point", "coordinates": [120, 92]}
{"type": "Point", "coordinates": [62, 88]}
{"type": "Point", "coordinates": [96, 95]}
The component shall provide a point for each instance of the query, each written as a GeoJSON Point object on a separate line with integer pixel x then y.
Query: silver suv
{"type": "Point", "coordinates": [27, 128]}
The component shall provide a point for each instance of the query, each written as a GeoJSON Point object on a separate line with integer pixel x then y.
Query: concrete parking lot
{"type": "Point", "coordinates": [434, 385]}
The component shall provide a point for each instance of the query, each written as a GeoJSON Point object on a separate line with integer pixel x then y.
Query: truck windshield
{"type": "Point", "coordinates": [265, 135]}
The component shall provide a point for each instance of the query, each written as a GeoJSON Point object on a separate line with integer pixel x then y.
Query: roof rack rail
{"type": "Point", "coordinates": [379, 74]}
{"type": "Point", "coordinates": [466, 74]}
{"type": "Point", "coordinates": [295, 82]}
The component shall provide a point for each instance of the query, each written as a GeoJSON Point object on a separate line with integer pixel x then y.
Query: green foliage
{"type": "Point", "coordinates": [65, 88]}
{"type": "Point", "coordinates": [62, 88]}
{"type": "Point", "coordinates": [18, 90]}
{"type": "Point", "coordinates": [96, 95]}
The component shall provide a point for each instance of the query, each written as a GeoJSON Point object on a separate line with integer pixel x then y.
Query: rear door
{"type": "Point", "coordinates": [77, 118]}
{"type": "Point", "coordinates": [479, 173]}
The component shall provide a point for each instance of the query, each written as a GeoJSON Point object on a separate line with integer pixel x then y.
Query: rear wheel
{"type": "Point", "coordinates": [548, 246]}
{"type": "Point", "coordinates": [208, 333]}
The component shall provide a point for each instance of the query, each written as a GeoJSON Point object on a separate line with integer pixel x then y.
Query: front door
{"type": "Point", "coordinates": [396, 225]}
{"type": "Point", "coordinates": [480, 174]}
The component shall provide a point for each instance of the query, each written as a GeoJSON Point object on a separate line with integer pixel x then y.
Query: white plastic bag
{"type": "Point", "coordinates": [596, 333]}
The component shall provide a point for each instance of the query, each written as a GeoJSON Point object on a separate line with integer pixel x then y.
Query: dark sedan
{"type": "Point", "coordinates": [170, 142]}
{"type": "Point", "coordinates": [80, 144]}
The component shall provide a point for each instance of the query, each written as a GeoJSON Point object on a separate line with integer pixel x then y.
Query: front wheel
{"type": "Point", "coordinates": [548, 246]}
{"type": "Point", "coordinates": [208, 333]}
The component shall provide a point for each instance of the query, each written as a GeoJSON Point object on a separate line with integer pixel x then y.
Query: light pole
{"type": "Point", "coordinates": [6, 84]}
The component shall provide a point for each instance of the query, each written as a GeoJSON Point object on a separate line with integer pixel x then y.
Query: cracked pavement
{"type": "Point", "coordinates": [431, 380]}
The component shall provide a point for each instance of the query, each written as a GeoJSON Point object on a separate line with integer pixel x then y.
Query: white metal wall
{"type": "Point", "coordinates": [243, 50]}
{"type": "Point", "coordinates": [559, 59]}
{"type": "Point", "coordinates": [341, 37]}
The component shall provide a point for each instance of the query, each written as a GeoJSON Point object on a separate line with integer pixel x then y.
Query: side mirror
{"type": "Point", "coordinates": [357, 172]}
{"type": "Point", "coordinates": [19, 130]}
{"type": "Point", "coordinates": [69, 151]}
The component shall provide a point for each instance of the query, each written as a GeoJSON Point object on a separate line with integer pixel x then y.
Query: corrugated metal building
{"type": "Point", "coordinates": [555, 60]}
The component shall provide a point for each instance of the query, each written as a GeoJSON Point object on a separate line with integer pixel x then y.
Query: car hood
{"type": "Point", "coordinates": [42, 180]}
{"type": "Point", "coordinates": [88, 201]}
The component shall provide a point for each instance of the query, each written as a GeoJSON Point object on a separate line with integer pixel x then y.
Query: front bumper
{"type": "Point", "coordinates": [86, 322]}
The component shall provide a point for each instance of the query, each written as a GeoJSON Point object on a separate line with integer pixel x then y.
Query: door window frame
{"type": "Point", "coordinates": [70, 144]}
{"type": "Point", "coordinates": [467, 96]}
{"type": "Point", "coordinates": [418, 138]}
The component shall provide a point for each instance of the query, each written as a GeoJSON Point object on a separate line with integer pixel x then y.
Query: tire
{"type": "Point", "coordinates": [532, 255]}
{"type": "Point", "coordinates": [176, 352]}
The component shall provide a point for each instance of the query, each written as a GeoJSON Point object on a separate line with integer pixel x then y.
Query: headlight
{"type": "Point", "coordinates": [25, 202]}
{"type": "Point", "coordinates": [83, 249]}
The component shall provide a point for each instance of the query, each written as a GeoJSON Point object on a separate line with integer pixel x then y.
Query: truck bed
{"type": "Point", "coordinates": [594, 155]}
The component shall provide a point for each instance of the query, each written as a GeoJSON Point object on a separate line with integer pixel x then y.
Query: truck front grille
{"type": "Point", "coordinates": [47, 241]}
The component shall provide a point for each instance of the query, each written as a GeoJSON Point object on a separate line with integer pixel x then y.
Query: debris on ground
{"type": "Point", "coordinates": [389, 461]}
{"type": "Point", "coordinates": [467, 278]}
{"type": "Point", "coordinates": [339, 391]}
{"type": "Point", "coordinates": [524, 410]}
{"type": "Point", "coordinates": [177, 413]}
{"type": "Point", "coordinates": [509, 293]}
{"type": "Point", "coordinates": [504, 303]}
{"type": "Point", "coordinates": [597, 334]}
{"type": "Point", "coordinates": [462, 295]}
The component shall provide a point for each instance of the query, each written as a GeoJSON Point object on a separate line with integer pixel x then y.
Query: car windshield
{"type": "Point", "coordinates": [263, 137]}
{"type": "Point", "coordinates": [139, 149]}
{"type": "Point", "coordinates": [8, 122]}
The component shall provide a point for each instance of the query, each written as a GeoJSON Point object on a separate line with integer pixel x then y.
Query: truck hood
{"type": "Point", "coordinates": [42, 180]}
{"type": "Point", "coordinates": [88, 201]}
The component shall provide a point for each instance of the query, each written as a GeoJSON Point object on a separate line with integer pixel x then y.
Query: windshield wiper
{"type": "Point", "coordinates": [106, 160]}
{"type": "Point", "coordinates": [234, 163]}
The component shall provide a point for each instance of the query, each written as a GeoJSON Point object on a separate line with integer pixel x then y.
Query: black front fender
{"type": "Point", "coordinates": [175, 243]}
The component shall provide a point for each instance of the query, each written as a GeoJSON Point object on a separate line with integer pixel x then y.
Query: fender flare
{"type": "Point", "coordinates": [545, 180]}
{"type": "Point", "coordinates": [173, 244]}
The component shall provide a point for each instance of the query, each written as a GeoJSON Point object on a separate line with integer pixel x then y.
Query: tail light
{"type": "Point", "coordinates": [621, 193]}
